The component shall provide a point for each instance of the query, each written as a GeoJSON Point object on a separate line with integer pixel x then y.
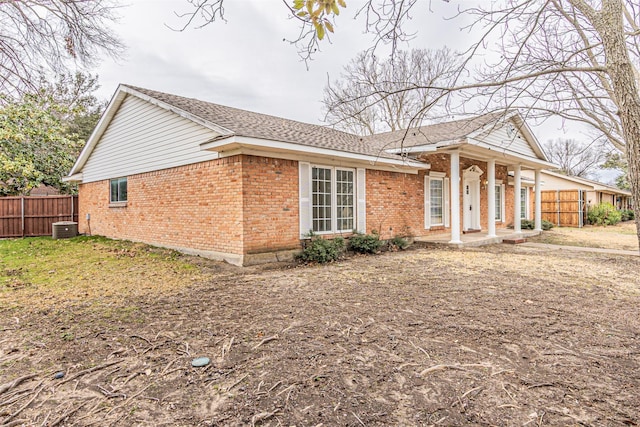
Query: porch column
{"type": "Point", "coordinates": [517, 205]}
{"type": "Point", "coordinates": [491, 196]}
{"type": "Point", "coordinates": [538, 206]}
{"type": "Point", "coordinates": [455, 197]}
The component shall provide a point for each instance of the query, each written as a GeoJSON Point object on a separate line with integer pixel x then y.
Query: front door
{"type": "Point", "coordinates": [471, 199]}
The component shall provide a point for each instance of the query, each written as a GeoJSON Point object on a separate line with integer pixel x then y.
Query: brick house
{"type": "Point", "coordinates": [247, 187]}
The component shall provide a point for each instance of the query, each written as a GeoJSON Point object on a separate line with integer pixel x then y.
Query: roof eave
{"type": "Point", "coordinates": [231, 145]}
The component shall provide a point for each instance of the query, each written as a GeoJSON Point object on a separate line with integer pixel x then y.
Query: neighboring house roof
{"type": "Point", "coordinates": [44, 190]}
{"type": "Point", "coordinates": [232, 130]}
{"type": "Point", "coordinates": [596, 185]}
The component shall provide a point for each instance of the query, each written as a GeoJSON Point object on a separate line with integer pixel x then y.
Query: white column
{"type": "Point", "coordinates": [491, 196]}
{"type": "Point", "coordinates": [455, 197]}
{"type": "Point", "coordinates": [517, 185]}
{"type": "Point", "coordinates": [538, 205]}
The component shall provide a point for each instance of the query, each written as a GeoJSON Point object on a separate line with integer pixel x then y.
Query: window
{"type": "Point", "coordinates": [332, 191]}
{"type": "Point", "coordinates": [436, 191]}
{"type": "Point", "coordinates": [118, 190]}
{"type": "Point", "coordinates": [344, 196]}
{"type": "Point", "coordinates": [436, 200]}
{"type": "Point", "coordinates": [498, 205]}
{"type": "Point", "coordinates": [524, 198]}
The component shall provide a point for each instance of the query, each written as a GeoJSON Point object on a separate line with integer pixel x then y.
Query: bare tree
{"type": "Point", "coordinates": [576, 59]}
{"type": "Point", "coordinates": [40, 35]}
{"type": "Point", "coordinates": [574, 157]}
{"type": "Point", "coordinates": [368, 98]}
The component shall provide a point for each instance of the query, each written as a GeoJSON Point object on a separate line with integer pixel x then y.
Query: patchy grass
{"type": "Point", "coordinates": [37, 272]}
{"type": "Point", "coordinates": [620, 236]}
{"type": "Point", "coordinates": [500, 335]}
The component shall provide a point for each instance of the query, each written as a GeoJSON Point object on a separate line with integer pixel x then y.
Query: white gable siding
{"type": "Point", "coordinates": [500, 138]}
{"type": "Point", "coordinates": [142, 138]}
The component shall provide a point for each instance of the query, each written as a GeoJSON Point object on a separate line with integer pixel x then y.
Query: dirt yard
{"type": "Point", "coordinates": [500, 335]}
{"type": "Point", "coordinates": [620, 236]}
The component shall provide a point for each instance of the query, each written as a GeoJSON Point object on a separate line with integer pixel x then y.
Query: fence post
{"type": "Point", "coordinates": [22, 215]}
{"type": "Point", "coordinates": [71, 196]}
{"type": "Point", "coordinates": [558, 206]}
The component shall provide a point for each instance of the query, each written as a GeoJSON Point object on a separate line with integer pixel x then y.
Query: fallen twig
{"type": "Point", "coordinates": [266, 340]}
{"type": "Point", "coordinates": [236, 383]}
{"type": "Point", "coordinates": [15, 414]}
{"type": "Point", "coordinates": [11, 384]}
{"type": "Point", "coordinates": [89, 370]}
{"type": "Point", "coordinates": [68, 414]}
{"type": "Point", "coordinates": [420, 348]}
{"type": "Point", "coordinates": [359, 420]}
{"type": "Point", "coordinates": [274, 386]}
{"type": "Point", "coordinates": [130, 399]}
{"type": "Point", "coordinates": [441, 368]}
{"type": "Point", "coordinates": [465, 395]}
{"type": "Point", "coordinates": [142, 338]}
{"type": "Point", "coordinates": [169, 365]}
{"type": "Point", "coordinates": [262, 417]}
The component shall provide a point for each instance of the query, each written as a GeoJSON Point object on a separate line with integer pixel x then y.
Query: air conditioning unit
{"type": "Point", "coordinates": [64, 229]}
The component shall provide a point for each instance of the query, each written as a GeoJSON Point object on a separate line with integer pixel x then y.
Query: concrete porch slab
{"type": "Point", "coordinates": [476, 239]}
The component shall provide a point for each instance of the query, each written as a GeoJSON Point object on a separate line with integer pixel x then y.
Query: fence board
{"type": "Point", "coordinates": [564, 208]}
{"type": "Point", "coordinates": [33, 216]}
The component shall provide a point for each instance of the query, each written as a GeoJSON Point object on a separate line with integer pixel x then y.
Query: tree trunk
{"type": "Point", "coordinates": [609, 24]}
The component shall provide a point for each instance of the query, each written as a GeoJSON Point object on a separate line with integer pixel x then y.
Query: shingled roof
{"type": "Point", "coordinates": [263, 126]}
{"type": "Point", "coordinates": [432, 134]}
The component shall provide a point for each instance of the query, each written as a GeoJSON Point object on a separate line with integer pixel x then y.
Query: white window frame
{"type": "Point", "coordinates": [118, 181]}
{"type": "Point", "coordinates": [334, 199]}
{"type": "Point", "coordinates": [500, 209]}
{"type": "Point", "coordinates": [445, 199]}
{"type": "Point", "coordinates": [524, 204]}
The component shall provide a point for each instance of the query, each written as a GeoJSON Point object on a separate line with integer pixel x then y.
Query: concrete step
{"type": "Point", "coordinates": [515, 241]}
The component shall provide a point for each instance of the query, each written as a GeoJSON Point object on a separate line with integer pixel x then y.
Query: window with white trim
{"type": "Point", "coordinates": [436, 200]}
{"type": "Point", "coordinates": [332, 204]}
{"type": "Point", "coordinates": [118, 190]}
{"type": "Point", "coordinates": [436, 196]}
{"type": "Point", "coordinates": [499, 201]}
{"type": "Point", "coordinates": [344, 199]}
{"type": "Point", "coordinates": [524, 202]}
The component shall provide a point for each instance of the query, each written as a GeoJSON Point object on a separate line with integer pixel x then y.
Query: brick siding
{"type": "Point", "coordinates": [250, 205]}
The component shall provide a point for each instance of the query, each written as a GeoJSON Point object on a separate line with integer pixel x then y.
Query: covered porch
{"type": "Point", "coordinates": [477, 239]}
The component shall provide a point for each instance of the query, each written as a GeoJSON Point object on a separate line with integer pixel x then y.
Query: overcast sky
{"type": "Point", "coordinates": [245, 63]}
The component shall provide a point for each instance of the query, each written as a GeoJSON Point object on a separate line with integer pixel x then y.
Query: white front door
{"type": "Point", "coordinates": [471, 198]}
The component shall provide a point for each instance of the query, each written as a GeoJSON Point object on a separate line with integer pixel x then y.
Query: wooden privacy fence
{"type": "Point", "coordinates": [564, 208]}
{"type": "Point", "coordinates": [33, 216]}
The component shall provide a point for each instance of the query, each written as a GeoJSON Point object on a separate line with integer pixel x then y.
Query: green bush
{"type": "Point", "coordinates": [527, 224]}
{"type": "Point", "coordinates": [546, 225]}
{"type": "Point", "coordinates": [365, 243]}
{"type": "Point", "coordinates": [398, 243]}
{"type": "Point", "coordinates": [627, 215]}
{"type": "Point", "coordinates": [604, 214]}
{"type": "Point", "coordinates": [322, 250]}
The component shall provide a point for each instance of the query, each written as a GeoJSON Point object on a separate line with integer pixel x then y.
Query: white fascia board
{"type": "Point", "coordinates": [108, 114]}
{"type": "Point", "coordinates": [597, 186]}
{"type": "Point", "coordinates": [116, 100]}
{"type": "Point", "coordinates": [225, 146]}
{"type": "Point", "coordinates": [420, 148]}
{"type": "Point", "coordinates": [72, 178]}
